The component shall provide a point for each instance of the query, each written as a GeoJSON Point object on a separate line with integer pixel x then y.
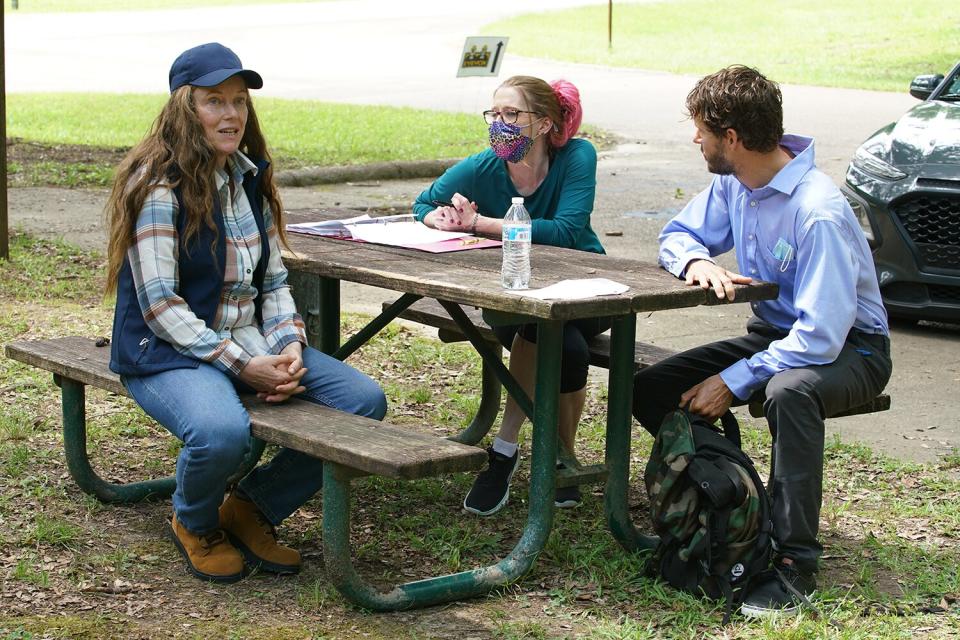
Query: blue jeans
{"type": "Point", "coordinates": [201, 407]}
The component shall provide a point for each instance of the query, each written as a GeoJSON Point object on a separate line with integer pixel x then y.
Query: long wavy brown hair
{"type": "Point", "coordinates": [176, 154]}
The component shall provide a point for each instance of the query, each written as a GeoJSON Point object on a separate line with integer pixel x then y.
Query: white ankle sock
{"type": "Point", "coordinates": [504, 448]}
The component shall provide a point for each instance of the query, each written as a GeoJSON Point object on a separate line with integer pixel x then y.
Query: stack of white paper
{"type": "Point", "coordinates": [574, 289]}
{"type": "Point", "coordinates": [398, 231]}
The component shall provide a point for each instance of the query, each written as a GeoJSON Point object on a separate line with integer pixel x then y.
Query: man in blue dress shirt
{"type": "Point", "coordinates": [821, 347]}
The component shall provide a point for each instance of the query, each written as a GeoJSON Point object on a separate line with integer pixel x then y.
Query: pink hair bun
{"type": "Point", "coordinates": [571, 110]}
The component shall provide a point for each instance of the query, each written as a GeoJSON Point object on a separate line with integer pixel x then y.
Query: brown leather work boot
{"type": "Point", "coordinates": [255, 537]}
{"type": "Point", "coordinates": [210, 556]}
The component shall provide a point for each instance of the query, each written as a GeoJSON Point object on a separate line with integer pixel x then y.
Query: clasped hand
{"type": "Point", "coordinates": [459, 217]}
{"type": "Point", "coordinates": [709, 275]}
{"type": "Point", "coordinates": [276, 378]}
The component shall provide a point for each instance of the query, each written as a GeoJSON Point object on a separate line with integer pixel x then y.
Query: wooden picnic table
{"type": "Point", "coordinates": [472, 277]}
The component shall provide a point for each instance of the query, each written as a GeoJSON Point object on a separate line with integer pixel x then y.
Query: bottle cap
{"type": "Point", "coordinates": [516, 200]}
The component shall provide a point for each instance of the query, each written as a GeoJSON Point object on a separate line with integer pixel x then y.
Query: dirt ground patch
{"type": "Point", "coordinates": [34, 163]}
{"type": "Point", "coordinates": [25, 152]}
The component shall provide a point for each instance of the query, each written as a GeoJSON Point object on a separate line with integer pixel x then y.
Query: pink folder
{"type": "Point", "coordinates": [444, 246]}
{"type": "Point", "coordinates": [456, 244]}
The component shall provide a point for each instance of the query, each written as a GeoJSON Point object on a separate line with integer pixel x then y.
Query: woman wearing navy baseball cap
{"type": "Point", "coordinates": [203, 312]}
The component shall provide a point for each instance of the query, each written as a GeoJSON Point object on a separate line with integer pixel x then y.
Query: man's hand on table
{"type": "Point", "coordinates": [710, 399]}
{"type": "Point", "coordinates": [710, 275]}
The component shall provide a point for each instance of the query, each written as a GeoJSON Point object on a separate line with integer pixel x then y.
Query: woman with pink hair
{"type": "Point", "coordinates": [532, 154]}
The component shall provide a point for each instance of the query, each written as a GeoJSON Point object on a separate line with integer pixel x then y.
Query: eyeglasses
{"type": "Point", "coordinates": [507, 116]}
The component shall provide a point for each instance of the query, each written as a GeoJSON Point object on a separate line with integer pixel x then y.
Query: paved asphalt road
{"type": "Point", "coordinates": [364, 51]}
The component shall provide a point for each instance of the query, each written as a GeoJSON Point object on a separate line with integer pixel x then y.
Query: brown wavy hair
{"type": "Point", "coordinates": [176, 154]}
{"type": "Point", "coordinates": [742, 99]}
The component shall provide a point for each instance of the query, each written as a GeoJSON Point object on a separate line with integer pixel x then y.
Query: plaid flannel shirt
{"type": "Point", "coordinates": [235, 336]}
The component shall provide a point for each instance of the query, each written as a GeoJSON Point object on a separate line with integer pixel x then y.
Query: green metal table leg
{"type": "Point", "coordinates": [318, 301]}
{"type": "Point", "coordinates": [329, 289]}
{"type": "Point", "coordinates": [75, 446]}
{"type": "Point", "coordinates": [466, 584]}
{"type": "Point", "coordinates": [619, 424]}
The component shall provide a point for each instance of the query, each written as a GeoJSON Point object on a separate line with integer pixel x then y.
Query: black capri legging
{"type": "Point", "coordinates": [575, 360]}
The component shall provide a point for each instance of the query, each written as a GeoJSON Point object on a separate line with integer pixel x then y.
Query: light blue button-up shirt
{"type": "Point", "coordinates": [799, 232]}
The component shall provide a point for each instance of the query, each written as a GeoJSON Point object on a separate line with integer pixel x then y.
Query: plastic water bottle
{"type": "Point", "coordinates": [517, 234]}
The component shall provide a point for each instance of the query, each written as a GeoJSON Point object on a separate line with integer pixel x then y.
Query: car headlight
{"type": "Point", "coordinates": [871, 164]}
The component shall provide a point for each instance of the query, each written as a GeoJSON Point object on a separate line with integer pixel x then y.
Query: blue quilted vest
{"type": "Point", "coordinates": [135, 350]}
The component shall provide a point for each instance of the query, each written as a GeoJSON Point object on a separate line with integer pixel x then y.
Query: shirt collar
{"type": "Point", "coordinates": [238, 165]}
{"type": "Point", "coordinates": [790, 175]}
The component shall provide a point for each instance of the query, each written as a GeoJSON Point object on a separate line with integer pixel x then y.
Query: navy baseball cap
{"type": "Point", "coordinates": [207, 66]}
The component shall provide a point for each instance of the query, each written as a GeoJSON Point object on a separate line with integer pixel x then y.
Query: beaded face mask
{"type": "Point", "coordinates": [508, 141]}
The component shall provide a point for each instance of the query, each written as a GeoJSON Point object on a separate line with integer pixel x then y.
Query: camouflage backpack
{"type": "Point", "coordinates": [709, 507]}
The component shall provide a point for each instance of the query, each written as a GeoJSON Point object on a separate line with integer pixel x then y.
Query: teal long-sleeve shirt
{"type": "Point", "coordinates": [560, 207]}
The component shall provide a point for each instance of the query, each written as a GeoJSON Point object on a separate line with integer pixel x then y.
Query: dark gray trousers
{"type": "Point", "coordinates": [796, 402]}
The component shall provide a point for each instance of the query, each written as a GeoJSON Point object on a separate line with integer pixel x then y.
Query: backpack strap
{"type": "Point", "coordinates": [728, 599]}
{"type": "Point", "coordinates": [731, 428]}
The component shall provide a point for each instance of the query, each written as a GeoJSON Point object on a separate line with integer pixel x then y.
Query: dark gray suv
{"type": "Point", "coordinates": [904, 187]}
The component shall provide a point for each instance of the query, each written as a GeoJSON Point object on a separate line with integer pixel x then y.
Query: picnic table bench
{"type": "Point", "coordinates": [350, 445]}
{"type": "Point", "coordinates": [431, 313]}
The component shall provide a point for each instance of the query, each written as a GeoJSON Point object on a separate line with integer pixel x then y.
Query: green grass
{"type": "Point", "coordinates": [76, 140]}
{"type": "Point", "coordinates": [51, 6]}
{"type": "Point", "coordinates": [870, 44]}
{"type": "Point", "coordinates": [38, 273]}
{"type": "Point", "coordinates": [299, 132]}
{"type": "Point", "coordinates": [26, 572]}
{"type": "Point", "coordinates": [51, 531]}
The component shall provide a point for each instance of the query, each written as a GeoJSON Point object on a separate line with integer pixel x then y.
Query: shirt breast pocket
{"type": "Point", "coordinates": [781, 257]}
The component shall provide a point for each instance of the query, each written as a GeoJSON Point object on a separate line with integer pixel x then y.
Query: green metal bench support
{"type": "Point", "coordinates": [78, 461]}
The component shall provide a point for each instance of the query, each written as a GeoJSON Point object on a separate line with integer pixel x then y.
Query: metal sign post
{"type": "Point", "coordinates": [4, 238]}
{"type": "Point", "coordinates": [610, 24]}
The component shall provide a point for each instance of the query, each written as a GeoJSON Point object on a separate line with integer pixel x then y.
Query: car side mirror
{"type": "Point", "coordinates": [923, 86]}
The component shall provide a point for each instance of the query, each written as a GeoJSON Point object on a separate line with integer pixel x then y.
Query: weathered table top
{"type": "Point", "coordinates": [473, 277]}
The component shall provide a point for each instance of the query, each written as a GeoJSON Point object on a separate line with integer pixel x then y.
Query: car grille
{"type": "Point", "coordinates": [933, 224]}
{"type": "Point", "coordinates": [915, 293]}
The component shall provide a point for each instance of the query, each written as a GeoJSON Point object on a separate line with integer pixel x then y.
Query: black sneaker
{"type": "Point", "coordinates": [769, 596]}
{"type": "Point", "coordinates": [491, 489]}
{"type": "Point", "coordinates": [567, 497]}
